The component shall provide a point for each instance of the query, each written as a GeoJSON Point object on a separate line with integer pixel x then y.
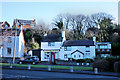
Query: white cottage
{"type": "Point", "coordinates": [77, 49]}
{"type": "Point", "coordinates": [65, 50]}
{"type": "Point", "coordinates": [49, 44]}
{"type": "Point", "coordinates": [7, 41]}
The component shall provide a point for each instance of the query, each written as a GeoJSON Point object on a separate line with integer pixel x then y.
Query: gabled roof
{"type": "Point", "coordinates": [77, 51]}
{"type": "Point", "coordinates": [78, 43]}
{"type": "Point", "coordinates": [9, 32]}
{"type": "Point", "coordinates": [52, 38]}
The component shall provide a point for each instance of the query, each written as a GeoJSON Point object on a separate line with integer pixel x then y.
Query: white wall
{"type": "Point", "coordinates": [80, 48]}
{"type": "Point", "coordinates": [44, 45]}
{"type": "Point", "coordinates": [19, 46]}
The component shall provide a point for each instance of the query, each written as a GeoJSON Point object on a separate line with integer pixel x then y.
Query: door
{"type": "Point", "coordinates": [52, 60]}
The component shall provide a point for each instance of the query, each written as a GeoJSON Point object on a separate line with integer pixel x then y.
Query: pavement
{"type": "Point", "coordinates": [63, 71]}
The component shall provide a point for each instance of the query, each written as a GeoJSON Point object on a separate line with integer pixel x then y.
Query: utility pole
{"type": "Point", "coordinates": [15, 42]}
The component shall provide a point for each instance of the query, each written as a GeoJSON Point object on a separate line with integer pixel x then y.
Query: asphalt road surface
{"type": "Point", "coordinates": [30, 75]}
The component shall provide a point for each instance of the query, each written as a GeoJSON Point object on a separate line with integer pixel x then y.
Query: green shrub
{"type": "Point", "coordinates": [102, 65]}
{"type": "Point", "coordinates": [117, 66]}
{"type": "Point", "coordinates": [87, 60]}
{"type": "Point", "coordinates": [112, 60]}
{"type": "Point", "coordinates": [35, 45]}
{"type": "Point", "coordinates": [80, 60]}
{"type": "Point", "coordinates": [98, 58]}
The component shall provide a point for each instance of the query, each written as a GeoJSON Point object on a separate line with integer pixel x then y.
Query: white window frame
{"type": "Point", "coordinates": [65, 55]}
{"type": "Point", "coordinates": [51, 43]}
{"type": "Point", "coordinates": [46, 55]}
{"type": "Point", "coordinates": [68, 48]}
{"type": "Point", "coordinates": [87, 48]}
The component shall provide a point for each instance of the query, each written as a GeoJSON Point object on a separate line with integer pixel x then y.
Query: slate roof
{"type": "Point", "coordinates": [1, 22]}
{"type": "Point", "coordinates": [9, 32]}
{"type": "Point", "coordinates": [78, 43]}
{"type": "Point", "coordinates": [52, 38]}
{"type": "Point", "coordinates": [26, 21]}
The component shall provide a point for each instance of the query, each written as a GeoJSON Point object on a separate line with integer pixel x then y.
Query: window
{"type": "Point", "coordinates": [51, 43]}
{"type": "Point", "coordinates": [87, 48]}
{"type": "Point", "coordinates": [103, 46]}
{"type": "Point", "coordinates": [87, 54]}
{"type": "Point", "coordinates": [67, 48]}
{"type": "Point", "coordinates": [74, 56]}
{"type": "Point", "coordinates": [9, 40]}
{"type": "Point", "coordinates": [65, 55]}
{"type": "Point", "coordinates": [8, 50]}
{"type": "Point", "coordinates": [32, 25]}
{"type": "Point", "coordinates": [46, 55]}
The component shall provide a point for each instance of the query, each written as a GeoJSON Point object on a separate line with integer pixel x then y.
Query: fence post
{"type": "Point", "coordinates": [11, 65]}
{"type": "Point", "coordinates": [49, 68]}
{"type": "Point", "coordinates": [96, 70]}
{"type": "Point", "coordinates": [71, 69]}
{"type": "Point", "coordinates": [29, 66]}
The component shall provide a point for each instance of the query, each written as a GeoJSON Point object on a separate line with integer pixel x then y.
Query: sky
{"type": "Point", "coordinates": [47, 11]}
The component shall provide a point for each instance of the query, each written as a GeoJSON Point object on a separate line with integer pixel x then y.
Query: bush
{"type": "Point", "coordinates": [80, 60]}
{"type": "Point", "coordinates": [98, 58]}
{"type": "Point", "coordinates": [35, 45]}
{"type": "Point", "coordinates": [102, 65]}
{"type": "Point", "coordinates": [112, 60]}
{"type": "Point", "coordinates": [117, 66]}
{"type": "Point", "coordinates": [87, 60]}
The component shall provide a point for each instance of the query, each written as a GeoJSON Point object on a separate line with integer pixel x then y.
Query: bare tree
{"type": "Point", "coordinates": [67, 18]}
{"type": "Point", "coordinates": [98, 17]}
{"type": "Point", "coordinates": [58, 21]}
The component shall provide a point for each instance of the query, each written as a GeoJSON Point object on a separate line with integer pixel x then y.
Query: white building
{"type": "Point", "coordinates": [50, 43]}
{"type": "Point", "coordinates": [65, 50]}
{"type": "Point", "coordinates": [103, 49]}
{"type": "Point", "coordinates": [77, 49]}
{"type": "Point", "coordinates": [7, 41]}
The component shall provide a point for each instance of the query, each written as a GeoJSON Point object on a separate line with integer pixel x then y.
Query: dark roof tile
{"type": "Point", "coordinates": [9, 32]}
{"type": "Point", "coordinates": [78, 43]}
{"type": "Point", "coordinates": [52, 38]}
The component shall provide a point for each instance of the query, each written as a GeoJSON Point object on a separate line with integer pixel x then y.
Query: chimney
{"type": "Point", "coordinates": [20, 26]}
{"type": "Point", "coordinates": [94, 39]}
{"type": "Point", "coordinates": [45, 34]}
{"type": "Point", "coordinates": [63, 35]}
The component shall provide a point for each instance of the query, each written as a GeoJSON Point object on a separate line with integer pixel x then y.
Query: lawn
{"type": "Point", "coordinates": [52, 66]}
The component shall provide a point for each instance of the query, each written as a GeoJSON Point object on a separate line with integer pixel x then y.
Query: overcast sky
{"type": "Point", "coordinates": [47, 11]}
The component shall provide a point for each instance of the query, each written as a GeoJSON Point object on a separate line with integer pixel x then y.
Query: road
{"type": "Point", "coordinates": [26, 74]}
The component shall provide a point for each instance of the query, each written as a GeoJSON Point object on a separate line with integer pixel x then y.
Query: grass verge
{"type": "Point", "coordinates": [52, 66]}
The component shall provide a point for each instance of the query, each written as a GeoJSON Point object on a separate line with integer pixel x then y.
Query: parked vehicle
{"type": "Point", "coordinates": [30, 60]}
{"type": "Point", "coordinates": [35, 57]}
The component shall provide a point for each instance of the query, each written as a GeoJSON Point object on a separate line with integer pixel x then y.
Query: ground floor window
{"type": "Point", "coordinates": [47, 55]}
{"type": "Point", "coordinates": [8, 50]}
{"type": "Point", "coordinates": [65, 55]}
